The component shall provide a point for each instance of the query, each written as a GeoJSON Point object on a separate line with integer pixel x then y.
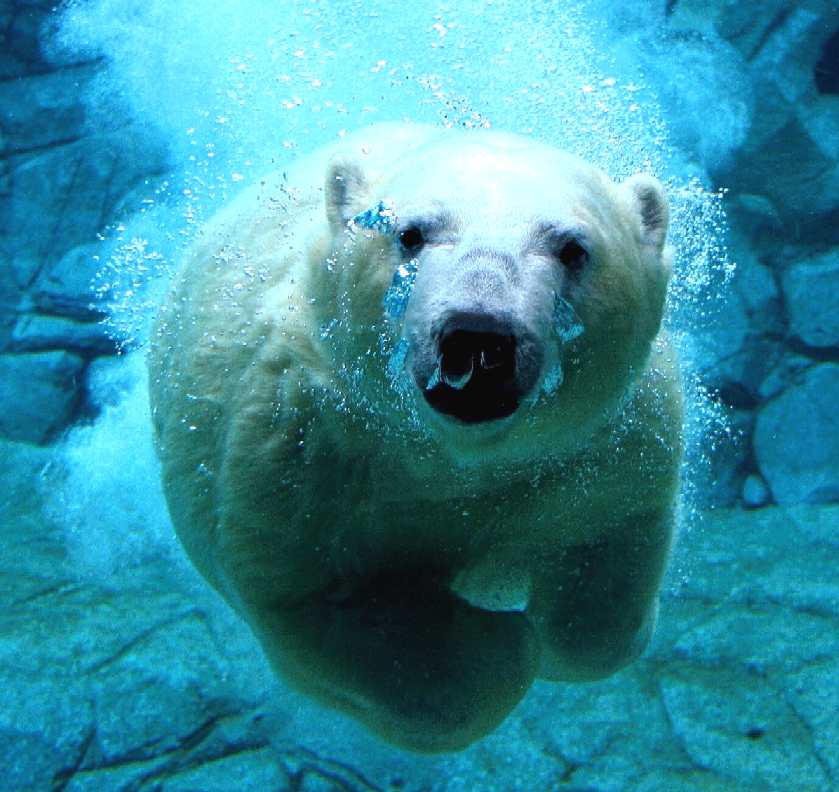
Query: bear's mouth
{"type": "Point", "coordinates": [476, 375]}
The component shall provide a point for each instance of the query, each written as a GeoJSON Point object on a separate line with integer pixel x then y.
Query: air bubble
{"type": "Point", "coordinates": [567, 324]}
{"type": "Point", "coordinates": [396, 361]}
{"type": "Point", "coordinates": [435, 378]}
{"type": "Point", "coordinates": [380, 218]}
{"type": "Point", "coordinates": [397, 296]}
{"type": "Point", "coordinates": [552, 379]}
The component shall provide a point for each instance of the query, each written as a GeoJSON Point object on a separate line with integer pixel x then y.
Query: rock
{"type": "Point", "coordinates": [788, 369]}
{"type": "Point", "coordinates": [680, 781]}
{"type": "Point", "coordinates": [10, 296]}
{"type": "Point", "coordinates": [255, 769]}
{"type": "Point", "coordinates": [131, 655]}
{"type": "Point", "coordinates": [738, 346]}
{"type": "Point", "coordinates": [39, 394]}
{"type": "Point", "coordinates": [629, 18]}
{"type": "Point", "coordinates": [763, 604]}
{"type": "Point", "coordinates": [725, 721]}
{"type": "Point", "coordinates": [67, 288]}
{"type": "Point", "coordinates": [814, 696]}
{"type": "Point", "coordinates": [811, 292]}
{"type": "Point", "coordinates": [755, 492]}
{"type": "Point", "coordinates": [691, 71]}
{"type": "Point", "coordinates": [63, 196]}
{"type": "Point", "coordinates": [10, 66]}
{"type": "Point", "coordinates": [827, 68]}
{"type": "Point", "coordinates": [791, 46]}
{"type": "Point", "coordinates": [821, 120]}
{"type": "Point", "coordinates": [57, 202]}
{"type": "Point", "coordinates": [29, 761]}
{"type": "Point", "coordinates": [758, 638]}
{"type": "Point", "coordinates": [741, 24]}
{"type": "Point", "coordinates": [790, 167]}
{"type": "Point", "coordinates": [754, 562]}
{"type": "Point", "coordinates": [39, 333]}
{"type": "Point", "coordinates": [788, 155]}
{"type": "Point", "coordinates": [755, 283]}
{"type": "Point", "coordinates": [43, 109]}
{"type": "Point", "coordinates": [757, 224]}
{"type": "Point", "coordinates": [23, 36]}
{"type": "Point", "coordinates": [797, 439]}
{"type": "Point", "coordinates": [718, 460]}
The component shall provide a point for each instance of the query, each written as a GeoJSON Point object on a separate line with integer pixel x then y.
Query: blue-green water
{"type": "Point", "coordinates": [120, 669]}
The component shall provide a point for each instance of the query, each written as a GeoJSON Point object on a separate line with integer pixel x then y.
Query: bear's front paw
{"type": "Point", "coordinates": [414, 662]}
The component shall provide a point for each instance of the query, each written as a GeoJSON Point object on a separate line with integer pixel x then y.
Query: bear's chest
{"type": "Point", "coordinates": [453, 521]}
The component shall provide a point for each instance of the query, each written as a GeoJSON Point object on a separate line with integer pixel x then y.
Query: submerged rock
{"type": "Point", "coordinates": [42, 110]}
{"type": "Point", "coordinates": [789, 154]}
{"type": "Point", "coordinates": [39, 394]}
{"type": "Point", "coordinates": [740, 343]}
{"type": "Point", "coordinates": [797, 439]}
{"type": "Point", "coordinates": [38, 333]}
{"type": "Point", "coordinates": [811, 291]}
{"type": "Point", "coordinates": [755, 492]}
{"type": "Point", "coordinates": [65, 194]}
{"type": "Point", "coordinates": [65, 289]}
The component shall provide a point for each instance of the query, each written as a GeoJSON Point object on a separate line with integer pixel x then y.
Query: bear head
{"type": "Point", "coordinates": [493, 281]}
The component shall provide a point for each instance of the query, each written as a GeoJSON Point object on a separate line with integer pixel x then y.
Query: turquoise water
{"type": "Point", "coordinates": [121, 669]}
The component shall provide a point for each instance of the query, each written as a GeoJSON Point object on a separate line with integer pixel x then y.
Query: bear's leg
{"type": "Point", "coordinates": [594, 606]}
{"type": "Point", "coordinates": [411, 660]}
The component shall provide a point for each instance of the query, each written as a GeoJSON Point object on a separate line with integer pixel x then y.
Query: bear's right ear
{"type": "Point", "coordinates": [345, 188]}
{"type": "Point", "coordinates": [649, 202]}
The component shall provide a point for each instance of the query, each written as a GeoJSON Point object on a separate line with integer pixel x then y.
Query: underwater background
{"type": "Point", "coordinates": [124, 124]}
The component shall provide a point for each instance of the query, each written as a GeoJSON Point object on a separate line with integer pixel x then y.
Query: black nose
{"type": "Point", "coordinates": [466, 354]}
{"type": "Point", "coordinates": [475, 378]}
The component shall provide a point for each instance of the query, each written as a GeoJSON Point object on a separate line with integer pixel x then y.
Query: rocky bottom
{"type": "Point", "coordinates": [144, 680]}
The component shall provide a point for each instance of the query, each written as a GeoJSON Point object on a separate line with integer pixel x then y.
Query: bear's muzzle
{"type": "Point", "coordinates": [482, 372]}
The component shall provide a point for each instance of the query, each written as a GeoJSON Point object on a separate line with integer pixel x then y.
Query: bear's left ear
{"type": "Point", "coordinates": [649, 202]}
{"type": "Point", "coordinates": [344, 191]}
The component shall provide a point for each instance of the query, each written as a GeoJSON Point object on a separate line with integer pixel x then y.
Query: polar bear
{"type": "Point", "coordinates": [420, 426]}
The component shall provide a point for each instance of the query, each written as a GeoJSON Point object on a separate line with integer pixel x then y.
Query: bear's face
{"type": "Point", "coordinates": [515, 280]}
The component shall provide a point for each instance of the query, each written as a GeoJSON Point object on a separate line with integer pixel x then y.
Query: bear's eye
{"type": "Point", "coordinates": [572, 255]}
{"type": "Point", "coordinates": [411, 240]}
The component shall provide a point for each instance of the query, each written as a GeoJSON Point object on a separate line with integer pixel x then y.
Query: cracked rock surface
{"type": "Point", "coordinates": [143, 680]}
{"type": "Point", "coordinates": [64, 178]}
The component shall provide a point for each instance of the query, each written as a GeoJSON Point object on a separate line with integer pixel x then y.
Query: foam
{"type": "Point", "coordinates": [249, 81]}
{"type": "Point", "coordinates": [104, 486]}
{"type": "Point", "coordinates": [239, 90]}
